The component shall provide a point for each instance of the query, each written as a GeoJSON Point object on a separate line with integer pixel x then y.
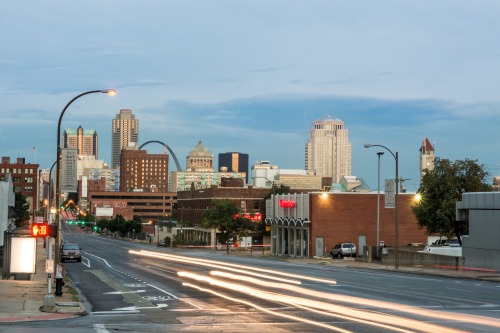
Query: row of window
{"type": "Point", "coordinates": [17, 189]}
{"type": "Point", "coordinates": [16, 170]}
{"type": "Point", "coordinates": [19, 179]}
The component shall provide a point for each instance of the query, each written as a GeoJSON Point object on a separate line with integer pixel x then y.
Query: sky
{"type": "Point", "coordinates": [252, 76]}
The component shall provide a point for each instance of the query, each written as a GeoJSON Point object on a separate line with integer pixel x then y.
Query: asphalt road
{"type": "Point", "coordinates": [136, 287]}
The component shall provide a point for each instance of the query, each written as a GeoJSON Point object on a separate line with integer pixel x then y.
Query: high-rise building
{"type": "Point", "coordinates": [85, 141]}
{"type": "Point", "coordinates": [426, 157]}
{"type": "Point", "coordinates": [143, 172]}
{"type": "Point", "coordinates": [234, 162]}
{"type": "Point", "coordinates": [328, 151]}
{"type": "Point", "coordinates": [125, 130]}
{"type": "Point", "coordinates": [69, 170]}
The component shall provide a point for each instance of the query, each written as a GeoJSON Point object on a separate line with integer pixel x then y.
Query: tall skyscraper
{"type": "Point", "coordinates": [69, 170]}
{"type": "Point", "coordinates": [140, 171]}
{"type": "Point", "coordinates": [328, 151]}
{"type": "Point", "coordinates": [125, 131]}
{"type": "Point", "coordinates": [234, 162]}
{"type": "Point", "coordinates": [85, 141]}
{"type": "Point", "coordinates": [426, 157]}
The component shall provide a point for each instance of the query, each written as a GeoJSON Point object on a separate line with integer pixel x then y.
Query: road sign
{"type": "Point", "coordinates": [49, 265]}
{"type": "Point", "coordinates": [390, 193]}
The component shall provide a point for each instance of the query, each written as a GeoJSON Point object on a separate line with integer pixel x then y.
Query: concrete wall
{"type": "Point", "coordinates": [481, 248]}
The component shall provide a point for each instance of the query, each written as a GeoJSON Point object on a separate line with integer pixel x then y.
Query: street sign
{"type": "Point", "coordinates": [49, 265]}
{"type": "Point", "coordinates": [390, 193]}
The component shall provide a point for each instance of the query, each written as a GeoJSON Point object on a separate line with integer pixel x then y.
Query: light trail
{"type": "Point", "coordinates": [367, 302]}
{"type": "Point", "coordinates": [274, 313]}
{"type": "Point", "coordinates": [218, 264]}
{"type": "Point", "coordinates": [347, 313]}
{"type": "Point", "coordinates": [377, 319]}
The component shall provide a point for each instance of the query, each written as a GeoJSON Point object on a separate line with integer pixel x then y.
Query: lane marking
{"type": "Point", "coordinates": [100, 328]}
{"type": "Point", "coordinates": [124, 292]}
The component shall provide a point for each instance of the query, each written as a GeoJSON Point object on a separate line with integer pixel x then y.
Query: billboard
{"type": "Point", "coordinates": [104, 211]}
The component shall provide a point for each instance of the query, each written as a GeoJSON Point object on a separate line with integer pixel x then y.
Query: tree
{"type": "Point", "coordinates": [225, 216]}
{"type": "Point", "coordinates": [23, 211]}
{"type": "Point", "coordinates": [441, 188]}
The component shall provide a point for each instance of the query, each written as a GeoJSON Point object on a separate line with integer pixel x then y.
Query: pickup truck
{"type": "Point", "coordinates": [343, 250]}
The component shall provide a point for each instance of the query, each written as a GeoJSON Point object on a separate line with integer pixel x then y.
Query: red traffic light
{"type": "Point", "coordinates": [40, 229]}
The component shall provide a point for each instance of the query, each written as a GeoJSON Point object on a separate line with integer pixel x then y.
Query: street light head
{"type": "Point", "coordinates": [368, 145]}
{"type": "Point", "coordinates": [110, 92]}
{"type": "Point", "coordinates": [380, 153]}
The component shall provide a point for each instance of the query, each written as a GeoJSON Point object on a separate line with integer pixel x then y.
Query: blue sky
{"type": "Point", "coordinates": [252, 76]}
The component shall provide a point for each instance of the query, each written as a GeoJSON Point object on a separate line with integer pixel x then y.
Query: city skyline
{"type": "Point", "coordinates": [393, 73]}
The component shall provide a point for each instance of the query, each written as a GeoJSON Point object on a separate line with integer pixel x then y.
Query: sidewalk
{"type": "Point", "coordinates": [22, 300]}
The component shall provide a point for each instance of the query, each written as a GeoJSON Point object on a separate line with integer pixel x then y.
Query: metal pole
{"type": "Point", "coordinates": [396, 245]}
{"type": "Point", "coordinates": [396, 236]}
{"type": "Point", "coordinates": [380, 153]}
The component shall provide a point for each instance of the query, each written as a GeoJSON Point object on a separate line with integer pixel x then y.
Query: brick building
{"type": "Point", "coordinates": [24, 179]}
{"type": "Point", "coordinates": [193, 203]}
{"type": "Point", "coordinates": [142, 171]}
{"type": "Point", "coordinates": [307, 225]}
{"type": "Point", "coordinates": [139, 206]}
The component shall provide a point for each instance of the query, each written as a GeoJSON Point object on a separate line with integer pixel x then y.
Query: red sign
{"type": "Point", "coordinates": [39, 230]}
{"type": "Point", "coordinates": [257, 217]}
{"type": "Point", "coordinates": [287, 203]}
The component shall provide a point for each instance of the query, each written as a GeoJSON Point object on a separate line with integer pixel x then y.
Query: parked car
{"type": "Point", "coordinates": [446, 242]}
{"type": "Point", "coordinates": [343, 250]}
{"type": "Point", "coordinates": [71, 251]}
{"type": "Point", "coordinates": [161, 243]}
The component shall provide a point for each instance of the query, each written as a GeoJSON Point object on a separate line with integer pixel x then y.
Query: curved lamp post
{"type": "Point", "coordinates": [396, 245]}
{"type": "Point", "coordinates": [379, 154]}
{"type": "Point", "coordinates": [50, 185]}
{"type": "Point", "coordinates": [58, 167]}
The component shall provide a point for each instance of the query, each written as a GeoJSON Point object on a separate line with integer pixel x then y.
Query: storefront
{"type": "Point", "coordinates": [288, 217]}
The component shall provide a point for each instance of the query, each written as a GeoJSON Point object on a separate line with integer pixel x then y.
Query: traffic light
{"type": "Point", "coordinates": [40, 229]}
{"type": "Point", "coordinates": [43, 229]}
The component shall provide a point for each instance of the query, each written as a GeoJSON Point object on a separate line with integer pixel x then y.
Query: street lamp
{"type": "Point", "coordinates": [51, 188]}
{"type": "Point", "coordinates": [58, 164]}
{"type": "Point", "coordinates": [396, 245]}
{"type": "Point", "coordinates": [379, 154]}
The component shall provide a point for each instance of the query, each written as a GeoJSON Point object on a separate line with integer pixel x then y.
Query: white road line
{"type": "Point", "coordinates": [100, 259]}
{"type": "Point", "coordinates": [100, 328]}
{"type": "Point", "coordinates": [88, 262]}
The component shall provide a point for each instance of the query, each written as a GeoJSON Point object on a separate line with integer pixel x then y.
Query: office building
{"type": "Point", "coordinates": [234, 162]}
{"type": "Point", "coordinates": [125, 130]}
{"type": "Point", "coordinates": [69, 170]}
{"type": "Point", "coordinates": [85, 141]}
{"type": "Point", "coordinates": [143, 172]}
{"type": "Point", "coordinates": [328, 151]}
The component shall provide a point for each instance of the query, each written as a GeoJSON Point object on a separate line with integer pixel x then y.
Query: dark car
{"type": "Point", "coordinates": [71, 251]}
{"type": "Point", "coordinates": [161, 243]}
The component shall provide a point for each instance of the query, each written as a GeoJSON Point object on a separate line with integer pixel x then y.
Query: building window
{"type": "Point", "coordinates": [256, 204]}
{"type": "Point", "coordinates": [28, 188]}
